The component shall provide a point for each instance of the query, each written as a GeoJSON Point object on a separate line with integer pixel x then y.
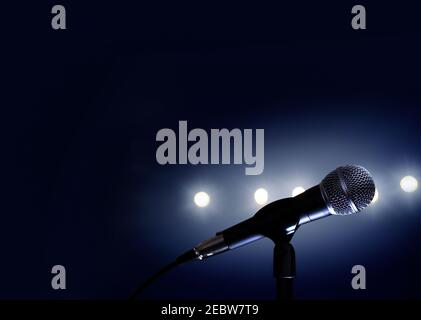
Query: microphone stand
{"type": "Point", "coordinates": [284, 269]}
{"type": "Point", "coordinates": [280, 227]}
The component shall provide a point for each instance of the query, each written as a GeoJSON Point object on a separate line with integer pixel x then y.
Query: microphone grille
{"type": "Point", "coordinates": [347, 189]}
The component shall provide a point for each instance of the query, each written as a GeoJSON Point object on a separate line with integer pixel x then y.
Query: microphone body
{"type": "Point", "coordinates": [344, 191]}
{"type": "Point", "coordinates": [278, 219]}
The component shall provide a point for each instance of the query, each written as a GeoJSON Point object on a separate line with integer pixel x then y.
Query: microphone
{"type": "Point", "coordinates": [344, 191]}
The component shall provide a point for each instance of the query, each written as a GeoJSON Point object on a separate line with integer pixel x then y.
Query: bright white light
{"type": "Point", "coordinates": [376, 197]}
{"type": "Point", "coordinates": [261, 196]}
{"type": "Point", "coordinates": [201, 199]}
{"type": "Point", "coordinates": [409, 184]}
{"type": "Point", "coordinates": [297, 190]}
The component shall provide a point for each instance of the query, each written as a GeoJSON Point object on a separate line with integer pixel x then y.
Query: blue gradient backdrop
{"type": "Point", "coordinates": [81, 186]}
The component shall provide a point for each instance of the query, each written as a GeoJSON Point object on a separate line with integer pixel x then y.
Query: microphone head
{"type": "Point", "coordinates": [347, 189]}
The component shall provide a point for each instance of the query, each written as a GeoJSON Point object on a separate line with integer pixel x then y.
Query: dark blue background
{"type": "Point", "coordinates": [81, 107]}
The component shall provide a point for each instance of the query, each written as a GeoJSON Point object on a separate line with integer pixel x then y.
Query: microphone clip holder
{"type": "Point", "coordinates": [284, 266]}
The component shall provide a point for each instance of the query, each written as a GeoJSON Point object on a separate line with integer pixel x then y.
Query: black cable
{"type": "Point", "coordinates": [188, 256]}
{"type": "Point", "coordinates": [150, 280]}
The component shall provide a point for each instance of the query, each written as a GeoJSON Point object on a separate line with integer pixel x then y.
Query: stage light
{"type": "Point", "coordinates": [261, 196]}
{"type": "Point", "coordinates": [297, 190]}
{"type": "Point", "coordinates": [376, 197]}
{"type": "Point", "coordinates": [409, 184]}
{"type": "Point", "coordinates": [201, 199]}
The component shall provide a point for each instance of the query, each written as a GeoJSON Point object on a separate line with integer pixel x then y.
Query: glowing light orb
{"type": "Point", "coordinates": [261, 196]}
{"type": "Point", "coordinates": [201, 199]}
{"type": "Point", "coordinates": [297, 190]}
{"type": "Point", "coordinates": [409, 184]}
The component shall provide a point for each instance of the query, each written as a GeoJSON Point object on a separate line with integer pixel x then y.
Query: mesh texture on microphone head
{"type": "Point", "coordinates": [348, 189]}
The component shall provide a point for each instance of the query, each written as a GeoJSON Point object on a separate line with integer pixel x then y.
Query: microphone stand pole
{"type": "Point", "coordinates": [284, 269]}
